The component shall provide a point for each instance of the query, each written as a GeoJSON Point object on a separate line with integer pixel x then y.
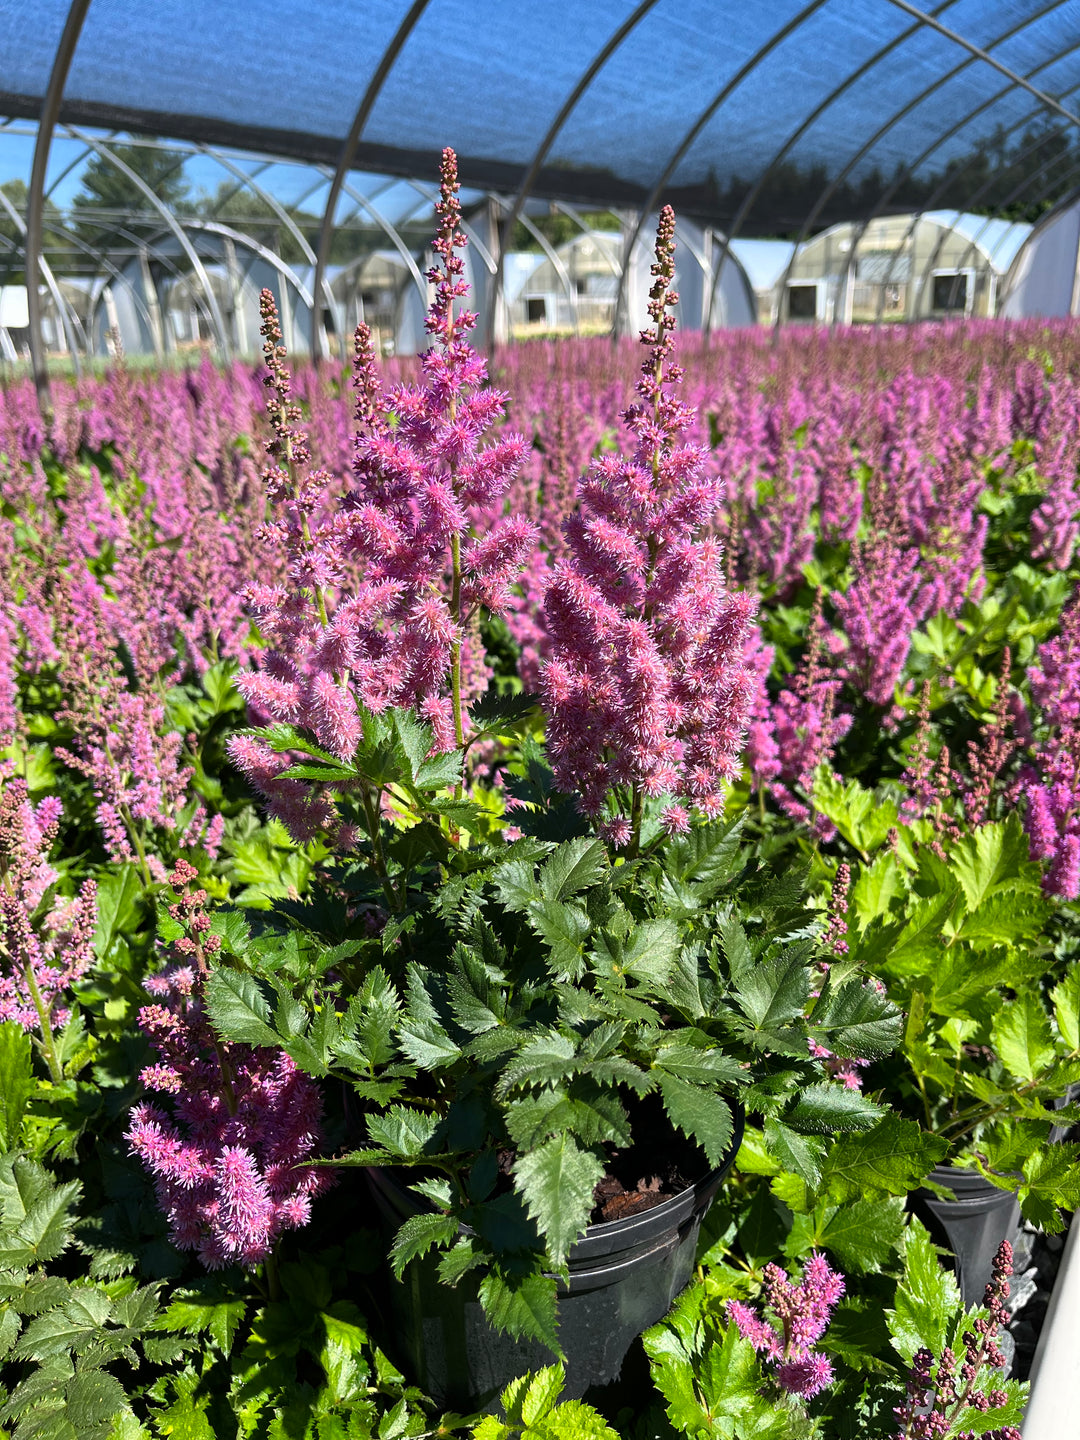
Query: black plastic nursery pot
{"type": "Point", "coordinates": [623, 1276]}
{"type": "Point", "coordinates": [972, 1226]}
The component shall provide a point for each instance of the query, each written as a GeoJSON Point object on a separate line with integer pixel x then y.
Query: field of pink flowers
{"type": "Point", "coordinates": [327, 699]}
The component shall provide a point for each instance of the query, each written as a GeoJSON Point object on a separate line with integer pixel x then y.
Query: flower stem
{"type": "Point", "coordinates": [48, 1045]}
{"type": "Point", "coordinates": [273, 1280]}
{"type": "Point", "coordinates": [635, 823]}
{"type": "Point", "coordinates": [455, 649]}
{"type": "Point", "coordinates": [371, 817]}
{"type": "Point", "coordinates": [140, 850]}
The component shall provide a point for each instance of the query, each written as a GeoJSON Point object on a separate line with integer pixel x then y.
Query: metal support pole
{"type": "Point", "coordinates": [171, 223]}
{"type": "Point", "coordinates": [975, 53]}
{"type": "Point", "coordinates": [595, 66]}
{"type": "Point", "coordinates": [348, 151]}
{"type": "Point", "coordinates": [64, 311]}
{"type": "Point", "coordinates": [35, 213]}
{"type": "Point", "coordinates": [691, 135]}
{"type": "Point", "coordinates": [153, 304]}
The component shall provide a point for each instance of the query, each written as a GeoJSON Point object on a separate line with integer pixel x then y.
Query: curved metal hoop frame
{"type": "Point", "coordinates": [491, 246]}
{"type": "Point", "coordinates": [975, 54]}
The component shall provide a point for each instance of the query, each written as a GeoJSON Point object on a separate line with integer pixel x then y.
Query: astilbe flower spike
{"type": "Point", "coordinates": [386, 588]}
{"type": "Point", "coordinates": [45, 946]}
{"type": "Point", "coordinates": [988, 756]}
{"type": "Point", "coordinates": [121, 740]}
{"type": "Point", "coordinates": [646, 688]}
{"type": "Point", "coordinates": [939, 1392]}
{"type": "Point", "coordinates": [1052, 787]}
{"type": "Point", "coordinates": [228, 1162]}
{"type": "Point", "coordinates": [791, 737]}
{"type": "Point", "coordinates": [800, 1317]}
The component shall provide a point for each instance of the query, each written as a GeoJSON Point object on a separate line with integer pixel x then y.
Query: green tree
{"type": "Point", "coordinates": [57, 247]}
{"type": "Point", "coordinates": [109, 198]}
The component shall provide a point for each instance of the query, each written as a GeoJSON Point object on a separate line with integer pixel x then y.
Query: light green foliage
{"type": "Point", "coordinates": [531, 1411]}
{"type": "Point", "coordinates": [987, 1054]}
{"type": "Point", "coordinates": [710, 1378]}
{"type": "Point", "coordinates": [234, 1364]}
{"type": "Point", "coordinates": [928, 1314]}
{"type": "Point", "coordinates": [17, 1083]}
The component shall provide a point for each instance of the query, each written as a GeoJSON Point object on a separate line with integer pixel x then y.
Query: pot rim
{"type": "Point", "coordinates": [627, 1225]}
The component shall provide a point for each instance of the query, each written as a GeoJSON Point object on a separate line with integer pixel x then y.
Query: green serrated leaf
{"type": "Point", "coordinates": [804, 1154]}
{"type": "Point", "coordinates": [1066, 998]}
{"type": "Point", "coordinates": [564, 928]}
{"type": "Point", "coordinates": [118, 895]}
{"type": "Point", "coordinates": [705, 1066]}
{"type": "Point", "coordinates": [458, 1262]}
{"type": "Point", "coordinates": [17, 1082]}
{"type": "Point", "coordinates": [1020, 1033]}
{"type": "Point", "coordinates": [417, 1236]}
{"type": "Point", "coordinates": [893, 1158]}
{"type": "Point", "coordinates": [546, 1060]}
{"type": "Point", "coordinates": [828, 1108]}
{"type": "Point", "coordinates": [93, 1398]}
{"type": "Point", "coordinates": [877, 886]}
{"type": "Point", "coordinates": [238, 1008]}
{"type": "Point", "coordinates": [539, 1399]}
{"type": "Point", "coordinates": [701, 1114]}
{"type": "Point", "coordinates": [556, 1182]}
{"type": "Point", "coordinates": [574, 866]}
{"type": "Point", "coordinates": [774, 992]}
{"type": "Point", "coordinates": [856, 1020]}
{"type": "Point", "coordinates": [862, 1236]}
{"type": "Point", "coordinates": [522, 1305]}
{"type": "Point", "coordinates": [70, 1327]}
{"type": "Point", "coordinates": [983, 861]}
{"type": "Point", "coordinates": [927, 1298]}
{"type": "Point", "coordinates": [402, 1130]}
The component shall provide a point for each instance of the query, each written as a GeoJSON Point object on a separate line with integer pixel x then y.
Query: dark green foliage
{"type": "Point", "coordinates": [551, 1005]}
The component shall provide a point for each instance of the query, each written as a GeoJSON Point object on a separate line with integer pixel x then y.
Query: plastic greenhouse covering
{"type": "Point", "coordinates": [775, 116]}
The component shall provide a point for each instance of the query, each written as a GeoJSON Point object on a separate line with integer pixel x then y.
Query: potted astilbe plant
{"type": "Point", "coordinates": [956, 928]}
{"type": "Point", "coordinates": [552, 1004]}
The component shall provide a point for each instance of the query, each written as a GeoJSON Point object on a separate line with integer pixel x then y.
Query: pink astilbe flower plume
{"type": "Point", "coordinates": [46, 945]}
{"type": "Point", "coordinates": [800, 1316]}
{"type": "Point", "coordinates": [387, 581]}
{"type": "Point", "coordinates": [228, 1157]}
{"type": "Point", "coordinates": [790, 737]}
{"type": "Point", "coordinates": [1052, 786]}
{"type": "Point", "coordinates": [645, 686]}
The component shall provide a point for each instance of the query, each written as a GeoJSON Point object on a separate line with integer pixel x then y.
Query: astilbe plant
{"type": "Point", "coordinates": [940, 1392]}
{"type": "Point", "coordinates": [800, 1316]}
{"type": "Point", "coordinates": [646, 689]}
{"type": "Point", "coordinates": [121, 738]}
{"type": "Point", "coordinates": [1052, 788]}
{"type": "Point", "coordinates": [46, 943]}
{"type": "Point", "coordinates": [790, 737]}
{"type": "Point", "coordinates": [228, 1162]}
{"type": "Point", "coordinates": [421, 526]}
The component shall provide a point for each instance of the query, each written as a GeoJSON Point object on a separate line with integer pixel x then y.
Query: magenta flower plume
{"type": "Point", "coordinates": [388, 581]}
{"type": "Point", "coordinates": [790, 737]}
{"type": "Point", "coordinates": [646, 688]}
{"type": "Point", "coordinates": [1052, 787]}
{"type": "Point", "coordinates": [121, 740]}
{"type": "Point", "coordinates": [800, 1317]}
{"type": "Point", "coordinates": [228, 1158]}
{"type": "Point", "coordinates": [46, 944]}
